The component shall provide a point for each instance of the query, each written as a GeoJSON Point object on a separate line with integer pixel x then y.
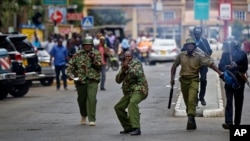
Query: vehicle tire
{"type": "Point", "coordinates": [115, 65]}
{"type": "Point", "coordinates": [152, 63]}
{"type": "Point", "coordinates": [20, 90]}
{"type": "Point", "coordinates": [3, 92]}
{"type": "Point", "coordinates": [47, 81]}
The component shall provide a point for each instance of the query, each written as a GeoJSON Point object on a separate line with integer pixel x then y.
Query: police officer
{"type": "Point", "coordinates": [203, 44]}
{"type": "Point", "coordinates": [191, 60]}
{"type": "Point", "coordinates": [235, 64]}
{"type": "Point", "coordinates": [84, 67]}
{"type": "Point", "coordinates": [135, 89]}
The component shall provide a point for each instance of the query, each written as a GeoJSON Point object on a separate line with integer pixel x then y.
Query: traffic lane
{"type": "Point", "coordinates": [47, 114]}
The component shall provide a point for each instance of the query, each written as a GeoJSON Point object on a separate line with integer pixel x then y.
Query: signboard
{"type": "Point", "coordinates": [29, 32]}
{"type": "Point", "coordinates": [57, 16]}
{"type": "Point", "coordinates": [61, 9]}
{"type": "Point", "coordinates": [87, 22]}
{"type": "Point", "coordinates": [74, 16]}
{"type": "Point", "coordinates": [201, 9]}
{"type": "Point", "coordinates": [225, 11]}
{"type": "Point", "coordinates": [55, 2]}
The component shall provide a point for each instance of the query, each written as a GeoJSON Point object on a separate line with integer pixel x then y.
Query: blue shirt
{"type": "Point", "coordinates": [125, 43]}
{"type": "Point", "coordinates": [60, 54]}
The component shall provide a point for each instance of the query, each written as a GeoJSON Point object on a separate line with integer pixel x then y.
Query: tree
{"type": "Point", "coordinates": [108, 16]}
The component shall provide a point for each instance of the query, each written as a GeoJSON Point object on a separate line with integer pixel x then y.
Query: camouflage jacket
{"type": "Point", "coordinates": [82, 66]}
{"type": "Point", "coordinates": [133, 79]}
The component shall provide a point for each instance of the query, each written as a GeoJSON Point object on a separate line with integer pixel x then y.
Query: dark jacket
{"type": "Point", "coordinates": [240, 58]}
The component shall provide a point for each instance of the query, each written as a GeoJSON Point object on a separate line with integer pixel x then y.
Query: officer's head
{"type": "Point", "coordinates": [230, 44]}
{"type": "Point", "coordinates": [190, 46]}
{"type": "Point", "coordinates": [128, 56]}
{"type": "Point", "coordinates": [88, 44]}
{"type": "Point", "coordinates": [197, 31]}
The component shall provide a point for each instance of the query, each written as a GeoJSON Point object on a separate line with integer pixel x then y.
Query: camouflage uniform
{"type": "Point", "coordinates": [135, 89]}
{"type": "Point", "coordinates": [88, 71]}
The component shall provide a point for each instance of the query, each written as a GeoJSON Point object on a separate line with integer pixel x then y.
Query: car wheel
{"type": "Point", "coordinates": [3, 92]}
{"type": "Point", "coordinates": [20, 90]}
{"type": "Point", "coordinates": [152, 63]}
{"type": "Point", "coordinates": [47, 81]}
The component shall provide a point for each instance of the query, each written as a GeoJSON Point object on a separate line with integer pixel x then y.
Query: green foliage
{"type": "Point", "coordinates": [108, 17]}
{"type": "Point", "coordinates": [237, 29]}
{"type": "Point", "coordinates": [79, 4]}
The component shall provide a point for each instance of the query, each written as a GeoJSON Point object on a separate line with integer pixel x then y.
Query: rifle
{"type": "Point", "coordinates": [170, 97]}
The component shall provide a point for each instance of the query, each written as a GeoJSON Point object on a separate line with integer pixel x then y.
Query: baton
{"type": "Point", "coordinates": [170, 97]}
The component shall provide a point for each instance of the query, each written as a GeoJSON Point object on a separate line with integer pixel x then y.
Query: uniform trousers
{"type": "Point", "coordinates": [189, 89]}
{"type": "Point", "coordinates": [238, 96]}
{"type": "Point", "coordinates": [87, 99]}
{"type": "Point", "coordinates": [130, 119]}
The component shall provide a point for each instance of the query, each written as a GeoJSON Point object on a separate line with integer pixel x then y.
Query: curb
{"type": "Point", "coordinates": [218, 112]}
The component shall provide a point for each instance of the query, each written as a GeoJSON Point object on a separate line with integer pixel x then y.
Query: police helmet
{"type": "Point", "coordinates": [88, 41]}
{"type": "Point", "coordinates": [230, 79]}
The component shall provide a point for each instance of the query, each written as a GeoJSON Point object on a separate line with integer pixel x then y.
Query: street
{"type": "Point", "coordinates": [46, 114]}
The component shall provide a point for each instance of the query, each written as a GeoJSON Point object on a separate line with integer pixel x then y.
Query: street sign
{"type": "Point", "coordinates": [87, 22]}
{"type": "Point", "coordinates": [225, 11]}
{"type": "Point", "coordinates": [55, 2]}
{"type": "Point", "coordinates": [201, 9]}
{"type": "Point", "coordinates": [57, 16]}
{"type": "Point", "coordinates": [74, 16]}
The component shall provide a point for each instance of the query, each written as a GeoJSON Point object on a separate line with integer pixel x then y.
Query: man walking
{"type": "Point", "coordinates": [60, 55]}
{"type": "Point", "coordinates": [135, 89]}
{"type": "Point", "coordinates": [191, 60]}
{"type": "Point", "coordinates": [234, 63]}
{"type": "Point", "coordinates": [203, 44]}
{"type": "Point", "coordinates": [84, 68]}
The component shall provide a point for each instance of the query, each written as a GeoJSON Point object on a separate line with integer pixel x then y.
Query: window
{"type": "Point", "coordinates": [168, 15]}
{"type": "Point", "coordinates": [239, 15]}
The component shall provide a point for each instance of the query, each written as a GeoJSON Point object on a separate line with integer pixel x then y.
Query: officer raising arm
{"type": "Point", "coordinates": [191, 60]}
{"type": "Point", "coordinates": [84, 67]}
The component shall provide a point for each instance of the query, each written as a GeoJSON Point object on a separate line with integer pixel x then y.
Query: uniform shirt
{"type": "Point", "coordinates": [60, 55]}
{"type": "Point", "coordinates": [82, 66]}
{"type": "Point", "coordinates": [133, 79]}
{"type": "Point", "coordinates": [190, 65]}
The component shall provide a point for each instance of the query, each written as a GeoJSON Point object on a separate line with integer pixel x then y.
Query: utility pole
{"type": "Point", "coordinates": [154, 19]}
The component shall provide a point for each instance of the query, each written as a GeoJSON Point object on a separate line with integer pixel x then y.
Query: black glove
{"type": "Point", "coordinates": [222, 77]}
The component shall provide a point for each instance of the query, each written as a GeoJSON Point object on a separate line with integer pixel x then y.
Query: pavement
{"type": "Point", "coordinates": [213, 97]}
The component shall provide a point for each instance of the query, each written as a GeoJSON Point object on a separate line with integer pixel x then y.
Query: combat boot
{"type": "Point", "coordinates": [191, 125]}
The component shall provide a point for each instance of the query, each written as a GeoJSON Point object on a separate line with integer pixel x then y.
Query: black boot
{"type": "Point", "coordinates": [136, 131]}
{"type": "Point", "coordinates": [191, 125]}
{"type": "Point", "coordinates": [126, 131]}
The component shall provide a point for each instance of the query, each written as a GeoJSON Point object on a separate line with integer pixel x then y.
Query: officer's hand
{"type": "Point", "coordinates": [91, 55]}
{"type": "Point", "coordinates": [125, 65]}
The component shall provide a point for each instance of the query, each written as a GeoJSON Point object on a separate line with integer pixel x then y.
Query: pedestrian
{"type": "Point", "coordinates": [203, 44]}
{"type": "Point", "coordinates": [101, 48]}
{"type": "Point", "coordinates": [60, 55]}
{"type": "Point", "coordinates": [234, 63]}
{"type": "Point", "coordinates": [135, 89]}
{"type": "Point", "coordinates": [190, 61]}
{"type": "Point", "coordinates": [84, 68]}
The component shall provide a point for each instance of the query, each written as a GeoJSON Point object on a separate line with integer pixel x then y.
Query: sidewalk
{"type": "Point", "coordinates": [213, 97]}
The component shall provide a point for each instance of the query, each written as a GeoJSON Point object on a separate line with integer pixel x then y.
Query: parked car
{"type": "Point", "coordinates": [214, 44]}
{"type": "Point", "coordinates": [163, 50]}
{"type": "Point", "coordinates": [47, 69]}
{"type": "Point", "coordinates": [12, 71]}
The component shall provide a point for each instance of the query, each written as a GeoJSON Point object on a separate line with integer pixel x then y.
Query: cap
{"type": "Point", "coordinates": [88, 42]}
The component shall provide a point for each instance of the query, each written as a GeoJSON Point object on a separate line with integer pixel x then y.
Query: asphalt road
{"type": "Point", "coordinates": [45, 114]}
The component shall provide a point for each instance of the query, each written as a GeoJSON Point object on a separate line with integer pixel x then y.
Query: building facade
{"type": "Point", "coordinates": [173, 18]}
